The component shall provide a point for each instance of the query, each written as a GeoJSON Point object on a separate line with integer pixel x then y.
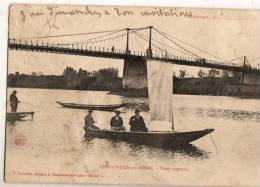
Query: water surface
{"type": "Point", "coordinates": [55, 139]}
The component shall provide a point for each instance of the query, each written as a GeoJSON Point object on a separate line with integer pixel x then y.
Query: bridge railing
{"type": "Point", "coordinates": [78, 49]}
{"type": "Point", "coordinates": [89, 48]}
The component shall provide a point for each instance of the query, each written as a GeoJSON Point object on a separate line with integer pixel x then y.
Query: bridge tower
{"type": "Point", "coordinates": [127, 51]}
{"type": "Point", "coordinates": [135, 69]}
{"type": "Point", "coordinates": [149, 50]}
{"type": "Point", "coordinates": [243, 74]}
{"type": "Point", "coordinates": [249, 79]}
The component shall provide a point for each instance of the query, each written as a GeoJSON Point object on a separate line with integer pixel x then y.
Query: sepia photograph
{"type": "Point", "coordinates": [132, 95]}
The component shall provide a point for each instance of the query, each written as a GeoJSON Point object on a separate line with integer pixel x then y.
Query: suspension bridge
{"type": "Point", "coordinates": [135, 46]}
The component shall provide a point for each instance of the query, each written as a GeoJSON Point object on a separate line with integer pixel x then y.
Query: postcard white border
{"type": "Point", "coordinates": [4, 4]}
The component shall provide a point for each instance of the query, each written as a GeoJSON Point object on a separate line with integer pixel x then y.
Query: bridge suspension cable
{"type": "Point", "coordinates": [177, 43]}
{"type": "Point", "coordinates": [94, 38]}
{"type": "Point", "coordinates": [84, 33]}
{"type": "Point", "coordinates": [75, 34]}
{"type": "Point", "coordinates": [234, 59]}
{"type": "Point", "coordinates": [102, 40]}
{"type": "Point", "coordinates": [166, 45]}
{"type": "Point", "coordinates": [148, 41]}
{"type": "Point", "coordinates": [210, 54]}
{"type": "Point", "coordinates": [97, 37]}
{"type": "Point", "coordinates": [254, 59]}
{"type": "Point", "coordinates": [138, 43]}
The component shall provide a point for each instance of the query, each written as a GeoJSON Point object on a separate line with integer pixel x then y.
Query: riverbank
{"type": "Point", "coordinates": [102, 80]}
{"type": "Point", "coordinates": [202, 86]}
{"type": "Point", "coordinates": [113, 84]}
{"type": "Point", "coordinates": [215, 87]}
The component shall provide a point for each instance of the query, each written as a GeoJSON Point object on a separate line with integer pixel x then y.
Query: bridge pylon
{"type": "Point", "coordinates": [149, 52]}
{"type": "Point", "coordinates": [243, 73]}
{"type": "Point", "coordinates": [127, 51]}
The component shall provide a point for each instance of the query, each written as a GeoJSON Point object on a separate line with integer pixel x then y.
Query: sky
{"type": "Point", "coordinates": [227, 34]}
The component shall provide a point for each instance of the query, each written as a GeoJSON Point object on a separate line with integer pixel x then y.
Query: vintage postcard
{"type": "Point", "coordinates": [133, 96]}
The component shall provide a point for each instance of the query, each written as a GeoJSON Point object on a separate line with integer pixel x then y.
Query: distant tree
{"type": "Point", "coordinates": [104, 79]}
{"type": "Point", "coordinates": [248, 66]}
{"type": "Point", "coordinates": [82, 72]}
{"type": "Point", "coordinates": [225, 74]}
{"type": "Point", "coordinates": [69, 72]}
{"type": "Point", "coordinates": [70, 77]}
{"type": "Point", "coordinates": [182, 74]}
{"type": "Point", "coordinates": [236, 76]}
{"type": "Point", "coordinates": [109, 73]}
{"type": "Point", "coordinates": [93, 74]}
{"type": "Point", "coordinates": [201, 74]}
{"type": "Point", "coordinates": [34, 73]}
{"type": "Point", "coordinates": [213, 73]}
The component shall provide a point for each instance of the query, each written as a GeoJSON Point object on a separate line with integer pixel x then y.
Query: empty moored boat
{"type": "Point", "coordinates": [14, 116]}
{"type": "Point", "coordinates": [92, 107]}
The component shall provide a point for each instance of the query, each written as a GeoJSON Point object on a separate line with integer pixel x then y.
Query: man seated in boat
{"type": "Point", "coordinates": [89, 122]}
{"type": "Point", "coordinates": [14, 101]}
{"type": "Point", "coordinates": [137, 123]}
{"type": "Point", "coordinates": [116, 122]}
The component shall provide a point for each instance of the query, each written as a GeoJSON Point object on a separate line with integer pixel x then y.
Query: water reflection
{"type": "Point", "coordinates": [143, 106]}
{"type": "Point", "coordinates": [11, 129]}
{"type": "Point", "coordinates": [11, 123]}
{"type": "Point", "coordinates": [133, 150]}
{"type": "Point", "coordinates": [240, 115]}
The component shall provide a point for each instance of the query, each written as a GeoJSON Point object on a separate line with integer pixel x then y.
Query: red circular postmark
{"type": "Point", "coordinates": [20, 140]}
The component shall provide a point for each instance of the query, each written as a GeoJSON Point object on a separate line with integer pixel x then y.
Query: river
{"type": "Point", "coordinates": [55, 141]}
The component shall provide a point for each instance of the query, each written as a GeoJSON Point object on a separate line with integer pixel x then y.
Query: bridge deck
{"type": "Point", "coordinates": [122, 55]}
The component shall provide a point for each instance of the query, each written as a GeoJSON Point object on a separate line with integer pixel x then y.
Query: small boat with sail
{"type": "Point", "coordinates": [111, 107]}
{"type": "Point", "coordinates": [160, 88]}
{"type": "Point", "coordinates": [14, 116]}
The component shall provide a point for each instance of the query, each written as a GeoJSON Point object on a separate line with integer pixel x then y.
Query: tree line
{"type": "Point", "coordinates": [103, 80]}
{"type": "Point", "coordinates": [212, 82]}
{"type": "Point", "coordinates": [213, 73]}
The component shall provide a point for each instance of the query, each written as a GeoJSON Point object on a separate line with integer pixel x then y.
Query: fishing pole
{"type": "Point", "coordinates": [214, 143]}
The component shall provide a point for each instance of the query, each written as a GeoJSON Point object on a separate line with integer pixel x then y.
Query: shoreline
{"type": "Point", "coordinates": [142, 93]}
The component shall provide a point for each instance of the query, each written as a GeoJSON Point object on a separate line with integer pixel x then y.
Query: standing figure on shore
{"type": "Point", "coordinates": [116, 122]}
{"type": "Point", "coordinates": [89, 121]}
{"type": "Point", "coordinates": [137, 123]}
{"type": "Point", "coordinates": [14, 101]}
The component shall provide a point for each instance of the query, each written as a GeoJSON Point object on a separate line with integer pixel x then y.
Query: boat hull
{"type": "Point", "coordinates": [14, 116]}
{"type": "Point", "coordinates": [153, 138]}
{"type": "Point", "coordinates": [92, 107]}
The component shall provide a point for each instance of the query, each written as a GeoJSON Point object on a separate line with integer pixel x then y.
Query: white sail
{"type": "Point", "coordinates": [160, 88]}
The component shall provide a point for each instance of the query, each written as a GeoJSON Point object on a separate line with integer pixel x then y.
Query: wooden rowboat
{"type": "Point", "coordinates": [14, 116]}
{"type": "Point", "coordinates": [93, 107]}
{"type": "Point", "coordinates": [152, 138]}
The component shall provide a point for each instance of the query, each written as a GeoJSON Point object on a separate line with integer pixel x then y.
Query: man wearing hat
{"type": "Point", "coordinates": [14, 101]}
{"type": "Point", "coordinates": [89, 122]}
{"type": "Point", "coordinates": [137, 123]}
{"type": "Point", "coordinates": [116, 121]}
